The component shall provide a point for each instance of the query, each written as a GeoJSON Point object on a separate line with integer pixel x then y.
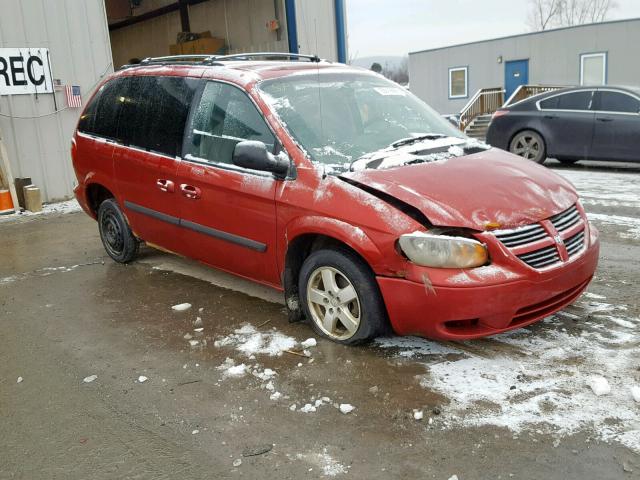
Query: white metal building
{"type": "Point", "coordinates": [83, 45]}
{"type": "Point", "coordinates": [595, 54]}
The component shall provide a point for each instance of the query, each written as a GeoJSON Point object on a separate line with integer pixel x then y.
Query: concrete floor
{"type": "Point", "coordinates": [67, 312]}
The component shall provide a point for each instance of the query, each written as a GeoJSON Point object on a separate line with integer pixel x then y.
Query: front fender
{"type": "Point", "coordinates": [354, 237]}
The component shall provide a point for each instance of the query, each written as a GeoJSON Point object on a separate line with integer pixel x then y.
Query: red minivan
{"type": "Point", "coordinates": [340, 188]}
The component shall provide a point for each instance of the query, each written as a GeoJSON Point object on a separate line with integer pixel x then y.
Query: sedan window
{"type": "Point", "coordinates": [568, 101]}
{"type": "Point", "coordinates": [617, 102]}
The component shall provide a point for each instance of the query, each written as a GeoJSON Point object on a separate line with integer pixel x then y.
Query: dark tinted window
{"type": "Point", "coordinates": [225, 117]}
{"type": "Point", "coordinates": [102, 114]}
{"type": "Point", "coordinates": [617, 102]}
{"type": "Point", "coordinates": [154, 112]}
{"type": "Point", "coordinates": [568, 101]}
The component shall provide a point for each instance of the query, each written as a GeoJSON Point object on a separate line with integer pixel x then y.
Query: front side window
{"type": "Point", "coordinates": [225, 117]}
{"type": "Point", "coordinates": [569, 101]}
{"type": "Point", "coordinates": [593, 69]}
{"type": "Point", "coordinates": [617, 102]}
{"type": "Point", "coordinates": [458, 82]}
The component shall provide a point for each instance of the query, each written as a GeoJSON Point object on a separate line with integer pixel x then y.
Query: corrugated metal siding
{"type": "Point", "coordinates": [317, 28]}
{"type": "Point", "coordinates": [554, 59]}
{"type": "Point", "coordinates": [77, 36]}
{"type": "Point", "coordinates": [243, 23]}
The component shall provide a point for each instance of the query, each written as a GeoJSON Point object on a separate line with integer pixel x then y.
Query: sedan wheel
{"type": "Point", "coordinates": [333, 303]}
{"type": "Point", "coordinates": [529, 145]}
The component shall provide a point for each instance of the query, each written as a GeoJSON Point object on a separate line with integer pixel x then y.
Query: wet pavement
{"type": "Point", "coordinates": [233, 404]}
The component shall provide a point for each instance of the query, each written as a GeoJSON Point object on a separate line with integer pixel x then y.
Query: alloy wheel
{"type": "Point", "coordinates": [527, 146]}
{"type": "Point", "coordinates": [333, 303]}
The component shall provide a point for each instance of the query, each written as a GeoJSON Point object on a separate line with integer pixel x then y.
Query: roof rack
{"type": "Point", "coordinates": [268, 56]}
{"type": "Point", "coordinates": [207, 59]}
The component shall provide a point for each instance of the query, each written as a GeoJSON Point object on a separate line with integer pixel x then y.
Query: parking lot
{"type": "Point", "coordinates": [244, 398]}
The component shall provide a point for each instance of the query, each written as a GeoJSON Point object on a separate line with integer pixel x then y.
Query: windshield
{"type": "Point", "coordinates": [340, 117]}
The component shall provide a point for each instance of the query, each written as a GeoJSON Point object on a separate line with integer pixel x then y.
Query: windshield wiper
{"type": "Point", "coordinates": [419, 138]}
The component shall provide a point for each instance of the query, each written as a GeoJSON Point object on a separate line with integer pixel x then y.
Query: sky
{"type": "Point", "coordinates": [397, 27]}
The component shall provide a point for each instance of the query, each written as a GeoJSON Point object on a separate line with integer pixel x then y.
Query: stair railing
{"type": "Point", "coordinates": [525, 91]}
{"type": "Point", "coordinates": [484, 102]}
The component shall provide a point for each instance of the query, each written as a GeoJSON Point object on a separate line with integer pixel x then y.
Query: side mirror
{"type": "Point", "coordinates": [254, 155]}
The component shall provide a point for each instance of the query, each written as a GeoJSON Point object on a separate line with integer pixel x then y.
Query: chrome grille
{"type": "Point", "coordinates": [523, 239]}
{"type": "Point", "coordinates": [574, 244]}
{"type": "Point", "coordinates": [541, 258]}
{"type": "Point", "coordinates": [565, 220]}
{"type": "Point", "coordinates": [521, 236]}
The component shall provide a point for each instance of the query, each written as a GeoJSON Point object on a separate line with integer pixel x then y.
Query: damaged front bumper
{"type": "Point", "coordinates": [467, 304]}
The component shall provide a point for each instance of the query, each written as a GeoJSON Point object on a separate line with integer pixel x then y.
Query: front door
{"type": "Point", "coordinates": [617, 126]}
{"type": "Point", "coordinates": [228, 213]}
{"type": "Point", "coordinates": [516, 73]}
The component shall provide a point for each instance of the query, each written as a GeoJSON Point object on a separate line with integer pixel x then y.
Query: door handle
{"type": "Point", "coordinates": [190, 191]}
{"type": "Point", "coordinates": [550, 117]}
{"type": "Point", "coordinates": [165, 185]}
{"type": "Point", "coordinates": [605, 119]}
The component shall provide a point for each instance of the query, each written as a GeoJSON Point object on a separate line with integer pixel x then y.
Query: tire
{"type": "Point", "coordinates": [529, 145]}
{"type": "Point", "coordinates": [116, 236]}
{"type": "Point", "coordinates": [352, 320]}
{"type": "Point", "coordinates": [567, 161]}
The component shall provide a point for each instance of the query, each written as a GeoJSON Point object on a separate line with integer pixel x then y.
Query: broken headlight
{"type": "Point", "coordinates": [442, 251]}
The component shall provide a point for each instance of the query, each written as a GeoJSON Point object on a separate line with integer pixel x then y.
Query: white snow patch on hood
{"type": "Point", "coordinates": [250, 341]}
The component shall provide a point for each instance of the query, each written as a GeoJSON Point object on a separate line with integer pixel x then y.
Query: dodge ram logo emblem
{"type": "Point", "coordinates": [558, 240]}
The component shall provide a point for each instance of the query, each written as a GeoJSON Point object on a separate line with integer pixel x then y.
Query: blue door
{"type": "Point", "coordinates": [516, 73]}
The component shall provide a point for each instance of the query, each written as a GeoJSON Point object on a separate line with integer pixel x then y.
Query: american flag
{"type": "Point", "coordinates": [74, 100]}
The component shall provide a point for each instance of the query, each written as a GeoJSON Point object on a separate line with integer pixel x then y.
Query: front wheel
{"type": "Point", "coordinates": [341, 298]}
{"type": "Point", "coordinates": [116, 236]}
{"type": "Point", "coordinates": [530, 145]}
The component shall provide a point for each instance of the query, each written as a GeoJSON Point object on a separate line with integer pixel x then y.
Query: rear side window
{"type": "Point", "coordinates": [617, 102]}
{"type": "Point", "coordinates": [155, 111]}
{"type": "Point", "coordinates": [224, 117]}
{"type": "Point", "coordinates": [568, 101]}
{"type": "Point", "coordinates": [102, 115]}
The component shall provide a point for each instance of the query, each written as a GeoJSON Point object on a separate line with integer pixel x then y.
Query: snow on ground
{"type": "Point", "coordinates": [605, 188]}
{"type": "Point", "coordinates": [631, 224]}
{"type": "Point", "coordinates": [543, 378]}
{"type": "Point", "coordinates": [327, 464]}
{"type": "Point", "coordinates": [69, 206]}
{"type": "Point", "coordinates": [250, 341]}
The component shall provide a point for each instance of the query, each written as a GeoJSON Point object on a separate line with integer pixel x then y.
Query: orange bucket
{"type": "Point", "coordinates": [6, 204]}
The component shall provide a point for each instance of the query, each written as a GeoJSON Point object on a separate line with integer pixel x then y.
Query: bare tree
{"type": "Point", "coordinates": [544, 14]}
{"type": "Point", "coordinates": [398, 73]}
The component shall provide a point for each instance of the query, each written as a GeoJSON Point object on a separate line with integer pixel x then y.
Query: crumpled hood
{"type": "Point", "coordinates": [487, 190]}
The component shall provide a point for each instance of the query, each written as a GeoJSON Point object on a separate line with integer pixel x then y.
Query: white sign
{"type": "Point", "coordinates": [24, 71]}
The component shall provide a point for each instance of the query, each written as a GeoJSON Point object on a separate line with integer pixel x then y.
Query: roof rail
{"type": "Point", "coordinates": [268, 56]}
{"type": "Point", "coordinates": [179, 58]}
{"type": "Point", "coordinates": [208, 59]}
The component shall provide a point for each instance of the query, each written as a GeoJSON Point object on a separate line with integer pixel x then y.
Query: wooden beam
{"type": "Point", "coordinates": [184, 15]}
{"type": "Point", "coordinates": [158, 12]}
{"type": "Point", "coordinates": [6, 167]}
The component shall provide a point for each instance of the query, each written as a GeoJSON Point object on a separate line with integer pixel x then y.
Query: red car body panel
{"type": "Point", "coordinates": [512, 192]}
{"type": "Point", "coordinates": [478, 192]}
